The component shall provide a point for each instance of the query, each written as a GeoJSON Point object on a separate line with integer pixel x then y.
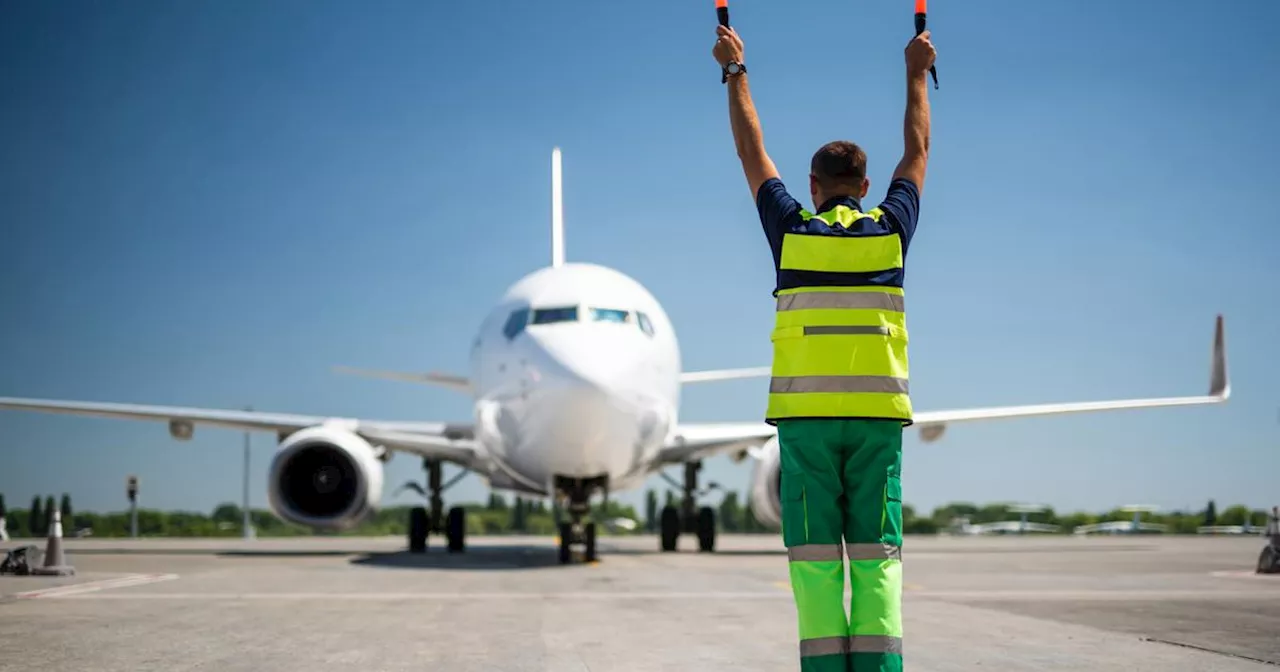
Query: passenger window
{"type": "Point", "coordinates": [516, 323]}
{"type": "Point", "coordinates": [552, 315]}
{"type": "Point", "coordinates": [645, 325]}
{"type": "Point", "coordinates": [609, 315]}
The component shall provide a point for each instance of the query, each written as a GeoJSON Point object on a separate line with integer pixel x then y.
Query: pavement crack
{"type": "Point", "coordinates": [1206, 649]}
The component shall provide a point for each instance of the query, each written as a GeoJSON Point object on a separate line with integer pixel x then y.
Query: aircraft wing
{"type": "Point", "coordinates": [723, 374]}
{"type": "Point", "coordinates": [691, 442]}
{"type": "Point", "coordinates": [444, 441]}
{"type": "Point", "coordinates": [699, 441]}
{"type": "Point", "coordinates": [445, 380]}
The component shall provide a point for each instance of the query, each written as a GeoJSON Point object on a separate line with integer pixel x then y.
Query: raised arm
{"type": "Point", "coordinates": [920, 55]}
{"type": "Point", "coordinates": [747, 136]}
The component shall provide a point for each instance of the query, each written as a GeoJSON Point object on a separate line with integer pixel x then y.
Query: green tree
{"type": "Point", "coordinates": [730, 513]}
{"type": "Point", "coordinates": [1071, 521]}
{"type": "Point", "coordinates": [613, 509]}
{"type": "Point", "coordinates": [670, 500]}
{"type": "Point", "coordinates": [1183, 523]}
{"type": "Point", "coordinates": [749, 522]}
{"type": "Point", "coordinates": [35, 519]}
{"type": "Point", "coordinates": [1235, 515]}
{"type": "Point", "coordinates": [992, 513]}
{"type": "Point", "coordinates": [228, 513]}
{"type": "Point", "coordinates": [519, 521]}
{"type": "Point", "coordinates": [650, 510]}
{"type": "Point", "coordinates": [48, 513]}
{"type": "Point", "coordinates": [496, 502]}
{"type": "Point", "coordinates": [17, 523]}
{"type": "Point", "coordinates": [65, 508]}
{"type": "Point", "coordinates": [943, 515]}
{"type": "Point", "coordinates": [1211, 514]}
{"type": "Point", "coordinates": [919, 526]}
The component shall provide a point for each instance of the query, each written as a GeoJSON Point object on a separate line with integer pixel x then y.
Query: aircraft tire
{"type": "Point", "coordinates": [566, 536]}
{"type": "Point", "coordinates": [670, 528]}
{"type": "Point", "coordinates": [706, 529]}
{"type": "Point", "coordinates": [456, 529]}
{"type": "Point", "coordinates": [418, 530]}
{"type": "Point", "coordinates": [1268, 561]}
{"type": "Point", "coordinates": [589, 542]}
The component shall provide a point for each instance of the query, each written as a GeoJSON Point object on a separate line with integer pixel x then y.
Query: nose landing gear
{"type": "Point", "coordinates": [578, 530]}
{"type": "Point", "coordinates": [675, 521]}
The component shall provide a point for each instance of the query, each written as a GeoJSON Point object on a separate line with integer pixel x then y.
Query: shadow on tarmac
{"type": "Point", "coordinates": [510, 557]}
{"type": "Point", "coordinates": [484, 558]}
{"type": "Point", "coordinates": [740, 552]}
{"type": "Point", "coordinates": [211, 552]}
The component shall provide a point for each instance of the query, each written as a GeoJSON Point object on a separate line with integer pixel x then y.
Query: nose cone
{"type": "Point", "coordinates": [583, 407]}
{"type": "Point", "coordinates": [578, 357]}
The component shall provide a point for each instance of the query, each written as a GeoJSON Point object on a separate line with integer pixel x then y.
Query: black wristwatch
{"type": "Point", "coordinates": [732, 69]}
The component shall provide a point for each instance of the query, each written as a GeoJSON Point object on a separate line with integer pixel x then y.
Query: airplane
{"type": "Point", "coordinates": [1246, 528]}
{"type": "Point", "coordinates": [1134, 526]}
{"type": "Point", "coordinates": [962, 526]}
{"type": "Point", "coordinates": [575, 380]}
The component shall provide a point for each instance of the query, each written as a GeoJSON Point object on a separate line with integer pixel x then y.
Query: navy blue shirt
{"type": "Point", "coordinates": [780, 214]}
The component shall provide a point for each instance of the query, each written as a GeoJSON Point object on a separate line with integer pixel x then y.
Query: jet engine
{"type": "Point", "coordinates": [766, 503]}
{"type": "Point", "coordinates": [326, 478]}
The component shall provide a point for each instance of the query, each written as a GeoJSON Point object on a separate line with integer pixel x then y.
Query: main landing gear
{"type": "Point", "coordinates": [423, 521]}
{"type": "Point", "coordinates": [683, 519]}
{"type": "Point", "coordinates": [1269, 559]}
{"type": "Point", "coordinates": [577, 531]}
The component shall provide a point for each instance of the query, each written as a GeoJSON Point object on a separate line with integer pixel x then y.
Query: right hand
{"type": "Point", "coordinates": [728, 46]}
{"type": "Point", "coordinates": [920, 55]}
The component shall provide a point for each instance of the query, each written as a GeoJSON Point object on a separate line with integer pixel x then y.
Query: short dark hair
{"type": "Point", "coordinates": [839, 163]}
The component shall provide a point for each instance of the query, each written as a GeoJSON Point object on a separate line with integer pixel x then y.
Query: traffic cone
{"type": "Point", "coordinates": [54, 562]}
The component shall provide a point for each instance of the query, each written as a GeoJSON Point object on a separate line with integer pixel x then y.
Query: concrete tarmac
{"type": "Point", "coordinates": [1002, 603]}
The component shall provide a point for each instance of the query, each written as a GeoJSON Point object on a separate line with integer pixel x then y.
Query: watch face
{"type": "Point", "coordinates": [734, 68]}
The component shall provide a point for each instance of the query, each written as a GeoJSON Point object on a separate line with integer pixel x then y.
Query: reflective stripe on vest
{"type": "Point", "coordinates": [840, 351]}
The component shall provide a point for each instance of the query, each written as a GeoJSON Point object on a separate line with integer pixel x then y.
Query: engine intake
{"type": "Point", "coordinates": [326, 478]}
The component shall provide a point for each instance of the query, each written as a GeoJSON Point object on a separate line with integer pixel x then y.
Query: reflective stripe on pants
{"type": "Point", "coordinates": [841, 496]}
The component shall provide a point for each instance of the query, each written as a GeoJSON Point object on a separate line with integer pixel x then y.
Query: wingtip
{"type": "Point", "coordinates": [1219, 381]}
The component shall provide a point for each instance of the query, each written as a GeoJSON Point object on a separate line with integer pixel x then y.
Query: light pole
{"type": "Point", "coordinates": [248, 522]}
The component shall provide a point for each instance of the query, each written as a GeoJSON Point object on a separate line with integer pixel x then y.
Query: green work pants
{"type": "Point", "coordinates": [841, 480]}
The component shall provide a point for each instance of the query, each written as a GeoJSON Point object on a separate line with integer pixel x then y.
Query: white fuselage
{"type": "Point", "coordinates": [576, 373]}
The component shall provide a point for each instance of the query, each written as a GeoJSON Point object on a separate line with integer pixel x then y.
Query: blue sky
{"type": "Point", "coordinates": [211, 204]}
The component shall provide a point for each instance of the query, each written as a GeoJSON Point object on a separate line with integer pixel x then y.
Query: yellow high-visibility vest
{"type": "Point", "coordinates": [840, 332]}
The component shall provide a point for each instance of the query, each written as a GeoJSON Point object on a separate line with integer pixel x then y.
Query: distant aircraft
{"type": "Point", "coordinates": [962, 525]}
{"type": "Point", "coordinates": [1126, 526]}
{"type": "Point", "coordinates": [575, 378]}
{"type": "Point", "coordinates": [1230, 529]}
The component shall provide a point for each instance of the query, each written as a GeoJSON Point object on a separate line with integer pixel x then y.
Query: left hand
{"type": "Point", "coordinates": [728, 46]}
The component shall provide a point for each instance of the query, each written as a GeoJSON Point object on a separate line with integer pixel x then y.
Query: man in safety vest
{"type": "Point", "coordinates": [838, 394]}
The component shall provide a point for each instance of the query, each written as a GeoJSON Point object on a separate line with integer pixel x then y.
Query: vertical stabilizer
{"type": "Point", "coordinates": [557, 211]}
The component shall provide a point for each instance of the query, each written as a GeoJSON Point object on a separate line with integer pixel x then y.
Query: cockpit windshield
{"type": "Point", "coordinates": [525, 317]}
{"type": "Point", "coordinates": [552, 315]}
{"type": "Point", "coordinates": [645, 325]}
{"type": "Point", "coordinates": [610, 315]}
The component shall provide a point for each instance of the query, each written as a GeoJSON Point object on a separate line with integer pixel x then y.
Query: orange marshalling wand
{"type": "Point", "coordinates": [722, 11]}
{"type": "Point", "coordinates": [921, 14]}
